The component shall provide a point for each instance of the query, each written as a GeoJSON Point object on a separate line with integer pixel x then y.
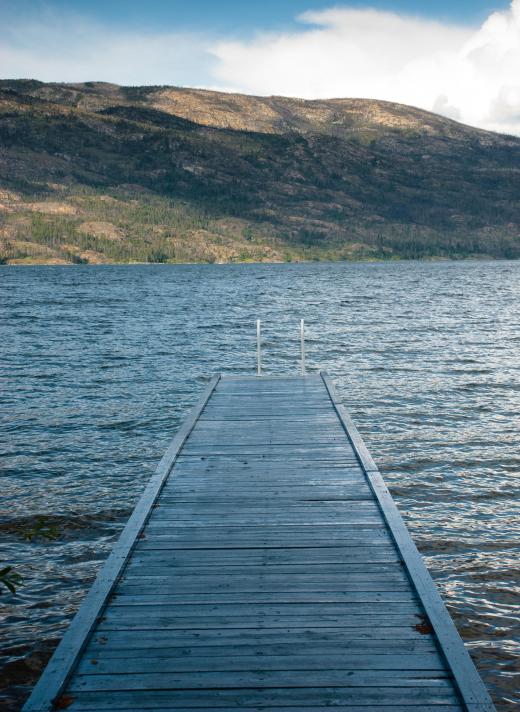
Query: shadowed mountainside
{"type": "Point", "coordinates": [98, 173]}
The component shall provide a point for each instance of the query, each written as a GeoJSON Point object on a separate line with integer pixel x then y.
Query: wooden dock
{"type": "Point", "coordinates": [265, 567]}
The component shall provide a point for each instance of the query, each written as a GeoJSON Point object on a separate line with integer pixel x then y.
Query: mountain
{"type": "Point", "coordinates": [96, 172]}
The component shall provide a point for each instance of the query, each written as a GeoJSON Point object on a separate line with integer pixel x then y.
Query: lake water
{"type": "Point", "coordinates": [100, 364]}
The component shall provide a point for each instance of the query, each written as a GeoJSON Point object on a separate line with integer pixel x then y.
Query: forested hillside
{"type": "Point", "coordinates": [100, 173]}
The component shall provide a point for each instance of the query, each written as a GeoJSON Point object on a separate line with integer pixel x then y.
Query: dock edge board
{"type": "Point", "coordinates": [62, 663]}
{"type": "Point", "coordinates": [469, 683]}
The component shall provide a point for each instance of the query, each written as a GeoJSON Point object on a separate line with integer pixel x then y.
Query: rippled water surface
{"type": "Point", "coordinates": [100, 365]}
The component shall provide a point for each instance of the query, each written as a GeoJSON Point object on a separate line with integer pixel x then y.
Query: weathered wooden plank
{"type": "Point", "coordinates": [119, 619]}
{"type": "Point", "coordinates": [349, 572]}
{"type": "Point", "coordinates": [255, 519]}
{"type": "Point", "coordinates": [197, 530]}
{"type": "Point", "coordinates": [258, 482]}
{"type": "Point", "coordinates": [304, 415]}
{"type": "Point", "coordinates": [254, 409]}
{"type": "Point", "coordinates": [241, 499]}
{"type": "Point", "coordinates": [250, 555]}
{"type": "Point", "coordinates": [309, 422]}
{"type": "Point", "coordinates": [264, 678]}
{"type": "Point", "coordinates": [258, 402]}
{"type": "Point", "coordinates": [347, 510]}
{"type": "Point", "coordinates": [263, 397]}
{"type": "Point", "coordinates": [259, 431]}
{"type": "Point", "coordinates": [330, 475]}
{"type": "Point", "coordinates": [262, 436]}
{"type": "Point", "coordinates": [88, 702]}
{"type": "Point", "coordinates": [268, 386]}
{"type": "Point", "coordinates": [167, 648]}
{"type": "Point", "coordinates": [191, 578]}
{"type": "Point", "coordinates": [246, 577]}
{"type": "Point", "coordinates": [275, 419]}
{"type": "Point", "coordinates": [250, 537]}
{"type": "Point", "coordinates": [310, 509]}
{"type": "Point", "coordinates": [167, 516]}
{"type": "Point", "coordinates": [157, 525]}
{"type": "Point", "coordinates": [267, 400]}
{"type": "Point", "coordinates": [259, 412]}
{"type": "Point", "coordinates": [257, 487]}
{"type": "Point", "coordinates": [310, 481]}
{"type": "Point", "coordinates": [156, 594]}
{"type": "Point", "coordinates": [266, 491]}
{"type": "Point", "coordinates": [261, 589]}
{"type": "Point", "coordinates": [306, 511]}
{"type": "Point", "coordinates": [264, 589]}
{"type": "Point", "coordinates": [262, 478]}
{"type": "Point", "coordinates": [245, 464]}
{"type": "Point", "coordinates": [252, 405]}
{"type": "Point", "coordinates": [268, 506]}
{"type": "Point", "coordinates": [167, 609]}
{"type": "Point", "coordinates": [267, 496]}
{"type": "Point", "coordinates": [172, 543]}
{"type": "Point", "coordinates": [150, 663]}
{"type": "Point", "coordinates": [305, 637]}
{"type": "Point", "coordinates": [258, 643]}
{"type": "Point", "coordinates": [287, 392]}
{"type": "Point", "coordinates": [310, 427]}
{"type": "Point", "coordinates": [261, 465]}
{"type": "Point", "coordinates": [350, 576]}
{"type": "Point", "coordinates": [243, 557]}
{"type": "Point", "coordinates": [310, 452]}
{"type": "Point", "coordinates": [257, 407]}
{"type": "Point", "coordinates": [246, 537]}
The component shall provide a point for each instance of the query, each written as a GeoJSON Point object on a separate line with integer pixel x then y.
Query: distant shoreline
{"type": "Point", "coordinates": [474, 258]}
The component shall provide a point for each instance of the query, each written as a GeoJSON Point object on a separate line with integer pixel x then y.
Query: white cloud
{"type": "Point", "coordinates": [472, 75]}
{"type": "Point", "coordinates": [69, 48]}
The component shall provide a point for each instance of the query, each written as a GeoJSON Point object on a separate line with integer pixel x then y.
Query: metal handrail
{"type": "Point", "coordinates": [258, 350]}
{"type": "Point", "coordinates": [302, 345]}
{"type": "Point", "coordinates": [303, 369]}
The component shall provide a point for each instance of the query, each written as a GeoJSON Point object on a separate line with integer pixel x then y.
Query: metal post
{"type": "Point", "coordinates": [302, 342]}
{"type": "Point", "coordinates": [258, 351]}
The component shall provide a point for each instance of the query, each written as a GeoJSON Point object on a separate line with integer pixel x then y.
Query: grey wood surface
{"type": "Point", "coordinates": [266, 569]}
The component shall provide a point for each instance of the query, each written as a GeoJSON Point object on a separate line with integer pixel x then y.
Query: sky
{"type": "Point", "coordinates": [459, 58]}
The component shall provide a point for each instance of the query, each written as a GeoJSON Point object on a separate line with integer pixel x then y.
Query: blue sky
{"type": "Point", "coordinates": [238, 15]}
{"type": "Point", "coordinates": [460, 58]}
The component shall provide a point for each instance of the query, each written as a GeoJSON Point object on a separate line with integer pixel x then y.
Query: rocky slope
{"type": "Point", "coordinates": [96, 172]}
